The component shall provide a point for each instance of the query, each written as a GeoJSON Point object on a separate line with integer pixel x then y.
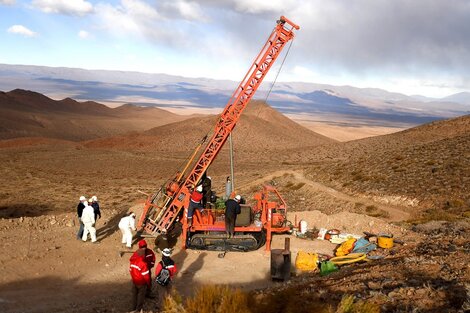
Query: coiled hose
{"type": "Point", "coordinates": [348, 259]}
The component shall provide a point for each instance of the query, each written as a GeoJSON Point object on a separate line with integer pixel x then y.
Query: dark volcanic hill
{"type": "Point", "coordinates": [30, 114]}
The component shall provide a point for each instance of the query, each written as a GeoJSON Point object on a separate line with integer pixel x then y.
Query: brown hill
{"type": "Point", "coordinates": [30, 114]}
{"type": "Point", "coordinates": [428, 165]}
{"type": "Point", "coordinates": [261, 128]}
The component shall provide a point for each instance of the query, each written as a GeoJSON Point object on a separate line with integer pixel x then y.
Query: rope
{"type": "Point", "coordinates": [279, 71]}
{"type": "Point", "coordinates": [273, 83]}
{"type": "Point", "coordinates": [257, 114]}
{"type": "Point", "coordinates": [348, 259]}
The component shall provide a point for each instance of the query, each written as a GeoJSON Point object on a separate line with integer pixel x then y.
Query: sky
{"type": "Point", "coordinates": [415, 47]}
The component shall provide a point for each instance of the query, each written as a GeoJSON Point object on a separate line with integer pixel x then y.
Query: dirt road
{"type": "Point", "coordinates": [395, 213]}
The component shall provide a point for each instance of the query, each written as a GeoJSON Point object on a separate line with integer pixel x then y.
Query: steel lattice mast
{"type": "Point", "coordinates": [281, 35]}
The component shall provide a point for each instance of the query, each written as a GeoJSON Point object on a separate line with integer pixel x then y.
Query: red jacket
{"type": "Point", "coordinates": [149, 258]}
{"type": "Point", "coordinates": [170, 265]}
{"type": "Point", "coordinates": [139, 270]}
{"type": "Point", "coordinates": [196, 196]}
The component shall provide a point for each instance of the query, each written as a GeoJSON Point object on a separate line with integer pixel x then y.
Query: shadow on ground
{"type": "Point", "coordinates": [25, 210]}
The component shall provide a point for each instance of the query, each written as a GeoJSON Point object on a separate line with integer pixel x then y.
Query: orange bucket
{"type": "Point", "coordinates": [385, 241]}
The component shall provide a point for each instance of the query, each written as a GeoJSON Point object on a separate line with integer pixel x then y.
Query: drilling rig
{"type": "Point", "coordinates": [169, 205]}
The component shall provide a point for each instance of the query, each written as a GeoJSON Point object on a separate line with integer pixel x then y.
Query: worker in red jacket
{"type": "Point", "coordinates": [140, 274]}
{"type": "Point", "coordinates": [149, 257]}
{"type": "Point", "coordinates": [195, 202]}
{"type": "Point", "coordinates": [164, 274]}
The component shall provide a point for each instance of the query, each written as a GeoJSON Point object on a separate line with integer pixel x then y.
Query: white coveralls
{"type": "Point", "coordinates": [126, 224]}
{"type": "Point", "coordinates": [88, 220]}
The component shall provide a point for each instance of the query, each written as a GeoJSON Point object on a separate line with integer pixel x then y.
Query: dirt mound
{"type": "Point", "coordinates": [346, 222]}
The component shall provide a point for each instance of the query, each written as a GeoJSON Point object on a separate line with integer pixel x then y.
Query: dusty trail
{"type": "Point", "coordinates": [396, 213]}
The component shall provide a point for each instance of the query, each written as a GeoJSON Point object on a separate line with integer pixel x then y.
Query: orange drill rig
{"type": "Point", "coordinates": [165, 208]}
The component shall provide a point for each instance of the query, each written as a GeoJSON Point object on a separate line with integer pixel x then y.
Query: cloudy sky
{"type": "Point", "coordinates": [408, 46]}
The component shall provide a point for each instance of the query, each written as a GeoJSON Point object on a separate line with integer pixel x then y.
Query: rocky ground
{"type": "Point", "coordinates": [48, 270]}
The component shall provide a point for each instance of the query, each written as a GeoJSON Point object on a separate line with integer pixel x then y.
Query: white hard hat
{"type": "Point", "coordinates": [94, 198]}
{"type": "Point", "coordinates": [90, 200]}
{"type": "Point", "coordinates": [85, 203]}
{"type": "Point", "coordinates": [199, 188]}
{"type": "Point", "coordinates": [82, 198]}
{"type": "Point", "coordinates": [166, 252]}
{"type": "Point", "coordinates": [238, 197]}
{"type": "Point", "coordinates": [209, 177]}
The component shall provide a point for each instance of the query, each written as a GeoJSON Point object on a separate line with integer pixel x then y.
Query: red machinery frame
{"type": "Point", "coordinates": [163, 208]}
{"type": "Point", "coordinates": [273, 217]}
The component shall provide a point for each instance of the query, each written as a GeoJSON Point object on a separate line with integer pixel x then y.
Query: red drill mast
{"type": "Point", "coordinates": [163, 208]}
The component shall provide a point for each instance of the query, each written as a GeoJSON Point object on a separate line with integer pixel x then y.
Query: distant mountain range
{"type": "Point", "coordinates": [299, 100]}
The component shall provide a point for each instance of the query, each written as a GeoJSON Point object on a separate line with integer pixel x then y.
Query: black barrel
{"type": "Point", "coordinates": [281, 262]}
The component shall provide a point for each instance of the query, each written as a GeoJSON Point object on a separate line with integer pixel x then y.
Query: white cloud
{"type": "Point", "coordinates": [7, 2]}
{"type": "Point", "coordinates": [68, 7]}
{"type": "Point", "coordinates": [83, 34]}
{"type": "Point", "coordinates": [21, 30]}
{"type": "Point", "coordinates": [257, 7]}
{"type": "Point", "coordinates": [184, 9]}
{"type": "Point", "coordinates": [128, 17]}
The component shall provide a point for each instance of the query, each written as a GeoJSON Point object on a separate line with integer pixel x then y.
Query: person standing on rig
{"type": "Point", "coordinates": [206, 190]}
{"type": "Point", "coordinates": [195, 202]}
{"type": "Point", "coordinates": [232, 209]}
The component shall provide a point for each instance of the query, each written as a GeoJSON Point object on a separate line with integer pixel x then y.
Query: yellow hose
{"type": "Point", "coordinates": [348, 259]}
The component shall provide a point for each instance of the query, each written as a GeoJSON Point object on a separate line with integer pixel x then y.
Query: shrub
{"type": "Point", "coordinates": [217, 299]}
{"type": "Point", "coordinates": [373, 211]}
{"type": "Point", "coordinates": [223, 299]}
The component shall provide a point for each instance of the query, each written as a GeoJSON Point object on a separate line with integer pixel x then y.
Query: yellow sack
{"type": "Point", "coordinates": [305, 261]}
{"type": "Point", "coordinates": [346, 247]}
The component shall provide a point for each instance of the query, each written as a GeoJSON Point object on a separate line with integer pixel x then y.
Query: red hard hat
{"type": "Point", "coordinates": [142, 244]}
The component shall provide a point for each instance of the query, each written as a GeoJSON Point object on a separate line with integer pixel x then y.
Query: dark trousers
{"type": "Point", "coordinates": [80, 230]}
{"type": "Point", "coordinates": [138, 296]}
{"type": "Point", "coordinates": [162, 293]}
{"type": "Point", "coordinates": [148, 292]}
{"type": "Point", "coordinates": [192, 207]}
{"type": "Point", "coordinates": [230, 225]}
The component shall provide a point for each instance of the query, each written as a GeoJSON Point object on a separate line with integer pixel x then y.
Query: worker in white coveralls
{"type": "Point", "coordinates": [127, 225]}
{"type": "Point", "coordinates": [88, 220]}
